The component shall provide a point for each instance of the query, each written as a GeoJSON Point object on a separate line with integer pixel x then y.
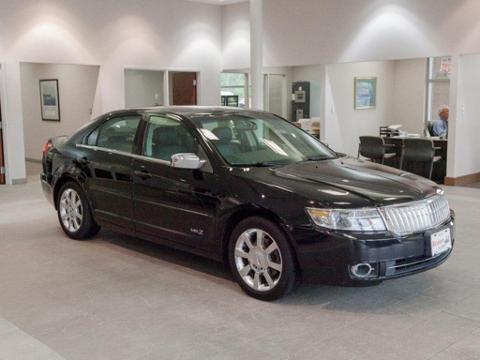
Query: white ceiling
{"type": "Point", "coordinates": [219, 2]}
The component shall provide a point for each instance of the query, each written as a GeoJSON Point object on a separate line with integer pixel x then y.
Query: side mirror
{"type": "Point", "coordinates": [186, 161]}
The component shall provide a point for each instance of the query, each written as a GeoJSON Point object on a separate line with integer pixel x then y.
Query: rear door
{"type": "Point", "coordinates": [171, 203]}
{"type": "Point", "coordinates": [107, 157]}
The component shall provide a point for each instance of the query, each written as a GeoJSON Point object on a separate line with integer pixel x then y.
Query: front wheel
{"type": "Point", "coordinates": [261, 259]}
{"type": "Point", "coordinates": [74, 212]}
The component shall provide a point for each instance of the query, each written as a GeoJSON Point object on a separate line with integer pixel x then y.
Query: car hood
{"type": "Point", "coordinates": [344, 182]}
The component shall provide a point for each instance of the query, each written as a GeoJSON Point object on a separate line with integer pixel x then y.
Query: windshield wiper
{"type": "Point", "coordinates": [318, 158]}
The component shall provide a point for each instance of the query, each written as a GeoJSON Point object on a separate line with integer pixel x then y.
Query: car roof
{"type": "Point", "coordinates": [190, 111]}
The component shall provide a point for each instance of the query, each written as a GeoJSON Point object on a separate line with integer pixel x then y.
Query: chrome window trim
{"type": "Point", "coordinates": [123, 153]}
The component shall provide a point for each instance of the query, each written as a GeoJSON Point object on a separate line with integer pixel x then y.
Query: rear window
{"type": "Point", "coordinates": [116, 134]}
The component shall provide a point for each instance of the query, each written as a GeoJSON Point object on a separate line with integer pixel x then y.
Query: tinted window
{"type": "Point", "coordinates": [166, 137]}
{"type": "Point", "coordinates": [116, 134]}
{"type": "Point", "coordinates": [244, 139]}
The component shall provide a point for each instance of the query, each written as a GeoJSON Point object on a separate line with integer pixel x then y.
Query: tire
{"type": "Point", "coordinates": [74, 212]}
{"type": "Point", "coordinates": [265, 271]}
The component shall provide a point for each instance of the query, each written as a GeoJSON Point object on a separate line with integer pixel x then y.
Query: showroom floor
{"type": "Point", "coordinates": [117, 297]}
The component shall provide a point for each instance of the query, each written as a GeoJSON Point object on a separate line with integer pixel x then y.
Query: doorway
{"type": "Point", "coordinates": [234, 89]}
{"type": "Point", "coordinates": [144, 88]}
{"type": "Point", "coordinates": [276, 94]}
{"type": "Point", "coordinates": [183, 88]}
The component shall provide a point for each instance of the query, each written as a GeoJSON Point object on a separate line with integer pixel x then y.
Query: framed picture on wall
{"type": "Point", "coordinates": [49, 100]}
{"type": "Point", "coordinates": [365, 93]}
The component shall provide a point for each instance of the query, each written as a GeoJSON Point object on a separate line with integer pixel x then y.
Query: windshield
{"type": "Point", "coordinates": [260, 139]}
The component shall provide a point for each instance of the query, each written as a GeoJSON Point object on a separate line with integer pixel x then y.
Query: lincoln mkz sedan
{"type": "Point", "coordinates": [249, 189]}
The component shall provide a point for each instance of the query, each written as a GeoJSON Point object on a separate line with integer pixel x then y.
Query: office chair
{"type": "Point", "coordinates": [429, 129]}
{"type": "Point", "coordinates": [419, 150]}
{"type": "Point", "coordinates": [375, 149]}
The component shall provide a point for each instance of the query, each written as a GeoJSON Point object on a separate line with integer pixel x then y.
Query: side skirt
{"type": "Point", "coordinates": [172, 244]}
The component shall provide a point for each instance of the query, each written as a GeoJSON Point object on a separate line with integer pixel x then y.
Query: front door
{"type": "Point", "coordinates": [107, 158]}
{"type": "Point", "coordinates": [170, 203]}
{"type": "Point", "coordinates": [184, 88]}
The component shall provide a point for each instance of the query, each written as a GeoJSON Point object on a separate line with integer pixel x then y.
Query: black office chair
{"type": "Point", "coordinates": [429, 129]}
{"type": "Point", "coordinates": [375, 149]}
{"type": "Point", "coordinates": [419, 151]}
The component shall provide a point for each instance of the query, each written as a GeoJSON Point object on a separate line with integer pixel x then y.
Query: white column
{"type": "Point", "coordinates": [12, 116]}
{"type": "Point", "coordinates": [454, 154]}
{"type": "Point", "coordinates": [256, 53]}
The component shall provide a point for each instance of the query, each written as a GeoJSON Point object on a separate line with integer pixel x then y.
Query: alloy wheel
{"type": "Point", "coordinates": [258, 259]}
{"type": "Point", "coordinates": [71, 210]}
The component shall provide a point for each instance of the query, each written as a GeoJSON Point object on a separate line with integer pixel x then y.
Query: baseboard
{"type": "Point", "coordinates": [463, 180]}
{"type": "Point", "coordinates": [19, 181]}
{"type": "Point", "coordinates": [33, 160]}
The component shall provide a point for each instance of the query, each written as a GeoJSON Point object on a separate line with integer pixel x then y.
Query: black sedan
{"type": "Point", "coordinates": [250, 189]}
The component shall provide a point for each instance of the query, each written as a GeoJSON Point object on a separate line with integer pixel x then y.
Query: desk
{"type": "Point", "coordinates": [440, 168]}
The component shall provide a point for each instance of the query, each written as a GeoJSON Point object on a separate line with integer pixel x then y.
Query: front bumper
{"type": "Point", "coordinates": [331, 255]}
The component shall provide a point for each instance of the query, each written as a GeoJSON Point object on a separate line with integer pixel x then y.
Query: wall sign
{"type": "Point", "coordinates": [49, 100]}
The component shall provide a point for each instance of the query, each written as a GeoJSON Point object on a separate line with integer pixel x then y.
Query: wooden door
{"type": "Point", "coordinates": [184, 88]}
{"type": "Point", "coordinates": [2, 159]}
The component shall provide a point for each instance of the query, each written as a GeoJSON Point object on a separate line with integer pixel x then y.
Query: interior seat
{"type": "Point", "coordinates": [224, 143]}
{"type": "Point", "coordinates": [166, 142]}
{"type": "Point", "coordinates": [115, 141]}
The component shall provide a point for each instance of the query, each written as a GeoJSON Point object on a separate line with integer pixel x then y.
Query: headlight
{"type": "Point", "coordinates": [351, 220]}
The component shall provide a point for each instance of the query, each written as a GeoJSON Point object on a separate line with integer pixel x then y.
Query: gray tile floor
{"type": "Point", "coordinates": [117, 297]}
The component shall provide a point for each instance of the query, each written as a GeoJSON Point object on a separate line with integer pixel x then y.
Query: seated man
{"type": "Point", "coordinates": [440, 126]}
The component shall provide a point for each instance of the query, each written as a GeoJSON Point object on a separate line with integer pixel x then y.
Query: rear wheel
{"type": "Point", "coordinates": [74, 212]}
{"type": "Point", "coordinates": [261, 259]}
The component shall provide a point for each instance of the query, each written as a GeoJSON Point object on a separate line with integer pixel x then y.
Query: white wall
{"type": "Point", "coordinates": [161, 34]}
{"type": "Point", "coordinates": [235, 36]}
{"type": "Point", "coordinates": [76, 86]}
{"type": "Point", "coordinates": [409, 94]}
{"type": "Point", "coordinates": [143, 88]}
{"type": "Point", "coordinates": [344, 124]}
{"type": "Point", "coordinates": [401, 86]}
{"type": "Point", "coordinates": [331, 31]}
{"type": "Point", "coordinates": [466, 123]}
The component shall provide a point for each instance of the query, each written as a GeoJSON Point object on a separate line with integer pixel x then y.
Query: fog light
{"type": "Point", "coordinates": [364, 270]}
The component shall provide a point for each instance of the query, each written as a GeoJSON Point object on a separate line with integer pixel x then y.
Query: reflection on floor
{"type": "Point", "coordinates": [33, 169]}
{"type": "Point", "coordinates": [117, 297]}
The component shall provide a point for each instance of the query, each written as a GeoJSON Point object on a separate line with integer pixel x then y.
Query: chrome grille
{"type": "Point", "coordinates": [416, 216]}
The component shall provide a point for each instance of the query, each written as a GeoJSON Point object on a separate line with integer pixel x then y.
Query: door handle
{"type": "Point", "coordinates": [143, 174]}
